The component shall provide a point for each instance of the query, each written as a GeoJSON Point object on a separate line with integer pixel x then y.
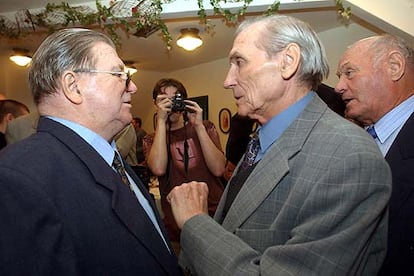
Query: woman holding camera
{"type": "Point", "coordinates": [182, 149]}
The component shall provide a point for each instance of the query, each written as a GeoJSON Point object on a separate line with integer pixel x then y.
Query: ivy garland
{"type": "Point", "coordinates": [144, 21]}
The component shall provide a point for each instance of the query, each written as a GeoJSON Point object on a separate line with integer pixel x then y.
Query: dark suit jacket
{"type": "Point", "coordinates": [400, 157]}
{"type": "Point", "coordinates": [64, 211]}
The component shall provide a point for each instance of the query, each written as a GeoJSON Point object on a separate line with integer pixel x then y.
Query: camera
{"type": "Point", "coordinates": [178, 104]}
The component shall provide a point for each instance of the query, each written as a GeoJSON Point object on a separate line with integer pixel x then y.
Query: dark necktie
{"type": "Point", "coordinates": [243, 173]}
{"type": "Point", "coordinates": [251, 152]}
{"type": "Point", "coordinates": [371, 131]}
{"type": "Point", "coordinates": [117, 164]}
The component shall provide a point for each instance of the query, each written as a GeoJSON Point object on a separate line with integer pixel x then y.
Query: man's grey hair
{"type": "Point", "coordinates": [387, 42]}
{"type": "Point", "coordinates": [66, 49]}
{"type": "Point", "coordinates": [281, 30]}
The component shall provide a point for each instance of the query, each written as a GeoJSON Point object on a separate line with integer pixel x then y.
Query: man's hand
{"type": "Point", "coordinates": [188, 200]}
{"type": "Point", "coordinates": [195, 113]}
{"type": "Point", "coordinates": [163, 104]}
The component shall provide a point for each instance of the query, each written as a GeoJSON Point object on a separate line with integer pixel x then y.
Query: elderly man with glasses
{"type": "Point", "coordinates": [69, 204]}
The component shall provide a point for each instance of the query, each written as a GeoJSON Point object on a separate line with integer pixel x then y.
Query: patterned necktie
{"type": "Point", "coordinates": [371, 131]}
{"type": "Point", "coordinates": [117, 164]}
{"type": "Point", "coordinates": [252, 149]}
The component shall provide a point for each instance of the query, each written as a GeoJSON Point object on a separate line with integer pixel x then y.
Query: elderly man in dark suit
{"type": "Point", "coordinates": [310, 197]}
{"type": "Point", "coordinates": [67, 205]}
{"type": "Point", "coordinates": [376, 82]}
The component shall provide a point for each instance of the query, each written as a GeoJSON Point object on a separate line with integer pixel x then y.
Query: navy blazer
{"type": "Point", "coordinates": [400, 157]}
{"type": "Point", "coordinates": [64, 211]}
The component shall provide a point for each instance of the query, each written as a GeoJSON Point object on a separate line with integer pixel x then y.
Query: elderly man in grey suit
{"type": "Point", "coordinates": [314, 199]}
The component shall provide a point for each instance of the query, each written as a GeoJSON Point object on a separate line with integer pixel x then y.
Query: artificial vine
{"type": "Point", "coordinates": [345, 13]}
{"type": "Point", "coordinates": [145, 19]}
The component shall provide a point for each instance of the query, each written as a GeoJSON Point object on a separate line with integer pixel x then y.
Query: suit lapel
{"type": "Point", "coordinates": [150, 200]}
{"type": "Point", "coordinates": [139, 183]}
{"type": "Point", "coordinates": [272, 168]}
{"type": "Point", "coordinates": [270, 171]}
{"type": "Point", "coordinates": [400, 158]}
{"type": "Point", "coordinates": [132, 214]}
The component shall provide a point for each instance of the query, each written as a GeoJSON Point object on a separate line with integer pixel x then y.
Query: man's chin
{"type": "Point", "coordinates": [349, 114]}
{"type": "Point", "coordinates": [126, 119]}
{"type": "Point", "coordinates": [243, 111]}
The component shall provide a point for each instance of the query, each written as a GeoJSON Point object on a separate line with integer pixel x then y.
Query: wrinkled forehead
{"type": "Point", "coordinates": [360, 47]}
{"type": "Point", "coordinates": [246, 45]}
{"type": "Point", "coordinates": [248, 36]}
{"type": "Point", "coordinates": [105, 54]}
{"type": "Point", "coordinates": [355, 53]}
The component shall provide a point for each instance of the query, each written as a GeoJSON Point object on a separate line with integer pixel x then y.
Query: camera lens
{"type": "Point", "coordinates": [178, 103]}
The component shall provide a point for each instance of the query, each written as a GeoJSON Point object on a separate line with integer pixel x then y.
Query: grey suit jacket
{"type": "Point", "coordinates": [316, 204]}
{"type": "Point", "coordinates": [22, 127]}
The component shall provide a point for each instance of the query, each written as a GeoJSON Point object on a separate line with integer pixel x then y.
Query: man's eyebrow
{"type": "Point", "coordinates": [346, 64]}
{"type": "Point", "coordinates": [234, 55]}
{"type": "Point", "coordinates": [342, 66]}
{"type": "Point", "coordinates": [119, 67]}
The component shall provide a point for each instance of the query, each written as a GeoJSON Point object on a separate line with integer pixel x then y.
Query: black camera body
{"type": "Point", "coordinates": [178, 104]}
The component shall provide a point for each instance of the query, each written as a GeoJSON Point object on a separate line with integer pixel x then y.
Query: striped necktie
{"type": "Point", "coordinates": [372, 132]}
{"type": "Point", "coordinates": [117, 164]}
{"type": "Point", "coordinates": [252, 150]}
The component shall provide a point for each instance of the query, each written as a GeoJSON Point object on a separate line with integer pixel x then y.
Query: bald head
{"type": "Point", "coordinates": [376, 74]}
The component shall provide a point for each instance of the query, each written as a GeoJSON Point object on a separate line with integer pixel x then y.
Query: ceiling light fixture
{"type": "Point", "coordinates": [21, 57]}
{"type": "Point", "coordinates": [189, 39]}
{"type": "Point", "coordinates": [129, 66]}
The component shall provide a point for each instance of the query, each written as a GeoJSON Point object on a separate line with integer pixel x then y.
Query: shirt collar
{"type": "Point", "coordinates": [105, 149]}
{"type": "Point", "coordinates": [394, 119]}
{"type": "Point", "coordinates": [274, 128]}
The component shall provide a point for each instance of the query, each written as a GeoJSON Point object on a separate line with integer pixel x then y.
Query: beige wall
{"type": "Point", "coordinates": [207, 78]}
{"type": "Point", "coordinates": [336, 41]}
{"type": "Point", "coordinates": [13, 82]}
{"type": "Point", "coordinates": [204, 79]}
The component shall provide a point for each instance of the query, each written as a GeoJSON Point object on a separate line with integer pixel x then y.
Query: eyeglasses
{"type": "Point", "coordinates": [126, 76]}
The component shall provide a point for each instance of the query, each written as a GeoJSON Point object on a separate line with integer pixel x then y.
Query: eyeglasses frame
{"type": "Point", "coordinates": [114, 73]}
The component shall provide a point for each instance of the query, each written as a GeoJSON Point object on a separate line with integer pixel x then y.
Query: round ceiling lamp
{"type": "Point", "coordinates": [189, 39]}
{"type": "Point", "coordinates": [21, 57]}
{"type": "Point", "coordinates": [129, 66]}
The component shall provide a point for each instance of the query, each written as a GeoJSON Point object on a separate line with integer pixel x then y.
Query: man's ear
{"type": "Point", "coordinates": [70, 87]}
{"type": "Point", "coordinates": [290, 60]}
{"type": "Point", "coordinates": [396, 64]}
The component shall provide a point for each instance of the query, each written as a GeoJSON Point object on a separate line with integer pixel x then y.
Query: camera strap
{"type": "Point", "coordinates": [186, 158]}
{"type": "Point", "coordinates": [186, 155]}
{"type": "Point", "coordinates": [168, 155]}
